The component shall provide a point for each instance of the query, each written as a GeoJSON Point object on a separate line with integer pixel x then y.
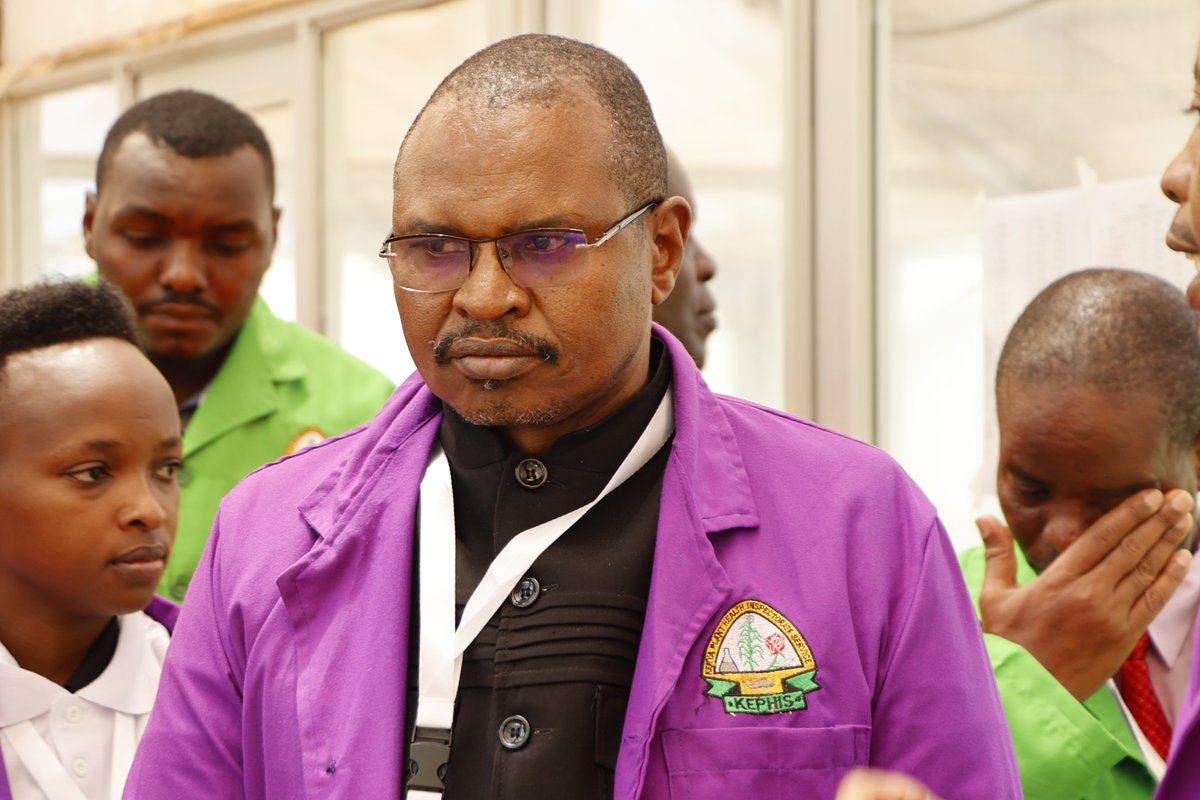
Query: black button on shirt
{"type": "Point", "coordinates": [531, 473]}
{"type": "Point", "coordinates": [551, 671]}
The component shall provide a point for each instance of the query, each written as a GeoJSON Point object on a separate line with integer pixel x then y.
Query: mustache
{"type": "Point", "coordinates": [173, 298]}
{"type": "Point", "coordinates": [478, 329]}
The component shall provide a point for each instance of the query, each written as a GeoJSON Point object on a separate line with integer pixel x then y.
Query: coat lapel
{"type": "Point", "coordinates": [687, 586]}
{"type": "Point", "coordinates": [347, 602]}
{"type": "Point", "coordinates": [245, 387]}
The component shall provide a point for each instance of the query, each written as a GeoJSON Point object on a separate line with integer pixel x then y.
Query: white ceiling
{"type": "Point", "coordinates": [1009, 102]}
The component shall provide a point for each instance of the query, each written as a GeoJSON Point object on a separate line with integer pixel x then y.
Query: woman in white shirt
{"type": "Point", "coordinates": [89, 448]}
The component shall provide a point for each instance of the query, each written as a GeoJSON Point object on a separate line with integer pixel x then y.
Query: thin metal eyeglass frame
{"type": "Point", "coordinates": [623, 223]}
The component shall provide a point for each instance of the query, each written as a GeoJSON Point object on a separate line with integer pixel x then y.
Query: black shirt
{"type": "Point", "coordinates": [553, 666]}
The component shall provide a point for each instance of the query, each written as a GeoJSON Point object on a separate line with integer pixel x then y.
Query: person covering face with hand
{"type": "Point", "coordinates": [1098, 401]}
{"type": "Point", "coordinates": [556, 563]}
{"type": "Point", "coordinates": [183, 222]}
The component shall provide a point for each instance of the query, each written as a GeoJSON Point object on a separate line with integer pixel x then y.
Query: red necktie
{"type": "Point", "coordinates": [1139, 697]}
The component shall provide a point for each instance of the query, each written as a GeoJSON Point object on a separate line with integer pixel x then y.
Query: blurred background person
{"type": "Point", "coordinates": [183, 222]}
{"type": "Point", "coordinates": [1181, 185]}
{"type": "Point", "coordinates": [689, 311]}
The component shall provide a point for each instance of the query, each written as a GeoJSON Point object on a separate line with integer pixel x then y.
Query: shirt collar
{"type": "Point", "coordinates": [1169, 630]}
{"type": "Point", "coordinates": [23, 694]}
{"type": "Point", "coordinates": [189, 407]}
{"type": "Point", "coordinates": [127, 686]}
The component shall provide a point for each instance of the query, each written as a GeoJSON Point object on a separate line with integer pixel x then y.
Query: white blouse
{"type": "Point", "coordinates": [62, 746]}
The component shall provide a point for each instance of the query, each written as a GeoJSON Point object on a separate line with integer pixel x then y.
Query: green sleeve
{"type": "Point", "coordinates": [1066, 750]}
{"type": "Point", "coordinates": [1062, 749]}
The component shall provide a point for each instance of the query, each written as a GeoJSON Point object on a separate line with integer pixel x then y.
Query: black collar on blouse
{"type": "Point", "coordinates": [96, 659]}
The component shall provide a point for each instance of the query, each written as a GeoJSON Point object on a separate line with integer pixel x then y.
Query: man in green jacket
{"type": "Point", "coordinates": [183, 221]}
{"type": "Point", "coordinates": [1098, 402]}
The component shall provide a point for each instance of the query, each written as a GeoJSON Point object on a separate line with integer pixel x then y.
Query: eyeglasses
{"type": "Point", "coordinates": [534, 259]}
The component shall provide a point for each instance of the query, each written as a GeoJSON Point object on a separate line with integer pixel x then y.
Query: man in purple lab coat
{"type": "Point", "coordinates": [740, 603]}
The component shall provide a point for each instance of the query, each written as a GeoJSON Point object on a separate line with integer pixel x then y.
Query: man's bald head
{"type": "Point", "coordinates": [1114, 330]}
{"type": "Point", "coordinates": [538, 69]}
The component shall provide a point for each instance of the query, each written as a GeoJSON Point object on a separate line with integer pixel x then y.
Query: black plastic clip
{"type": "Point", "coordinates": [428, 755]}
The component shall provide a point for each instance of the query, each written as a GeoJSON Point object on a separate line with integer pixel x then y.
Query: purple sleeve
{"type": "Point", "coordinates": [1182, 778]}
{"type": "Point", "coordinates": [192, 744]}
{"type": "Point", "coordinates": [163, 611]}
{"type": "Point", "coordinates": [935, 693]}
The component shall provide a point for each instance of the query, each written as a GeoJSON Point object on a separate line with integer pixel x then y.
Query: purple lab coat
{"type": "Point", "coordinates": [1182, 778]}
{"type": "Point", "coordinates": [286, 676]}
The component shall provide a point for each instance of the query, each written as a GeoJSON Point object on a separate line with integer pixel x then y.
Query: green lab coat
{"type": "Point", "coordinates": [281, 387]}
{"type": "Point", "coordinates": [1066, 750]}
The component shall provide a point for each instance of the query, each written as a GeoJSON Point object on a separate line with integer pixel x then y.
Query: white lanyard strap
{"type": "Point", "coordinates": [442, 646]}
{"type": "Point", "coordinates": [124, 743]}
{"type": "Point", "coordinates": [49, 773]}
{"type": "Point", "coordinates": [438, 666]}
{"type": "Point", "coordinates": [37, 757]}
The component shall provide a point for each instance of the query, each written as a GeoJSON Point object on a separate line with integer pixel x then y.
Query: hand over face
{"type": "Point", "coordinates": [1081, 617]}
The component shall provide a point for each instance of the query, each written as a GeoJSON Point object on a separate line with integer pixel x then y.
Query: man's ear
{"type": "Point", "coordinates": [89, 219]}
{"type": "Point", "coordinates": [671, 219]}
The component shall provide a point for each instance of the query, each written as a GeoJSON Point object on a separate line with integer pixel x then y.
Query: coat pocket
{"type": "Point", "coordinates": [763, 763]}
